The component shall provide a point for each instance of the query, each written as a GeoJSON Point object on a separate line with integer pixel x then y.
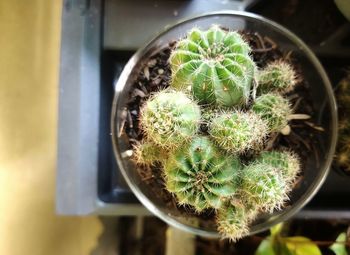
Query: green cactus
{"type": "Point", "coordinates": [200, 176]}
{"type": "Point", "coordinates": [277, 76]}
{"type": "Point", "coordinates": [287, 161]}
{"type": "Point", "coordinates": [147, 153]}
{"type": "Point", "coordinates": [208, 113]}
{"type": "Point", "coordinates": [170, 118]}
{"type": "Point", "coordinates": [264, 186]}
{"type": "Point", "coordinates": [274, 109]}
{"type": "Point", "coordinates": [215, 64]}
{"type": "Point", "coordinates": [232, 221]}
{"type": "Point", "coordinates": [238, 132]}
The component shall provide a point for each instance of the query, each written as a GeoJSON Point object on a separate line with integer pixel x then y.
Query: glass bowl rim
{"type": "Point", "coordinates": [119, 86]}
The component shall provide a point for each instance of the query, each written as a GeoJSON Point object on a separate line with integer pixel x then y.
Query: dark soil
{"type": "Point", "coordinates": [156, 76]}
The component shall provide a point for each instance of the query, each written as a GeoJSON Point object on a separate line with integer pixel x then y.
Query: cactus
{"type": "Point", "coordinates": [208, 113]}
{"type": "Point", "coordinates": [170, 119]}
{"type": "Point", "coordinates": [232, 221]}
{"type": "Point", "coordinates": [274, 109]}
{"type": "Point", "coordinates": [238, 132]}
{"type": "Point", "coordinates": [264, 186]}
{"type": "Point", "coordinates": [343, 147]}
{"type": "Point", "coordinates": [277, 76]}
{"type": "Point", "coordinates": [200, 176]}
{"type": "Point", "coordinates": [215, 64]}
{"type": "Point", "coordinates": [147, 153]}
{"type": "Point", "coordinates": [287, 161]}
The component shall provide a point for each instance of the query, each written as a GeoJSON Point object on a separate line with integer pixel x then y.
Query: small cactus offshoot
{"type": "Point", "coordinates": [215, 64]}
{"type": "Point", "coordinates": [277, 76]}
{"type": "Point", "coordinates": [200, 176]}
{"type": "Point", "coordinates": [232, 221]}
{"type": "Point", "coordinates": [264, 185]}
{"type": "Point", "coordinates": [287, 162]}
{"type": "Point", "coordinates": [238, 131]}
{"type": "Point", "coordinates": [274, 109]}
{"type": "Point", "coordinates": [170, 118]}
{"type": "Point", "coordinates": [147, 153]}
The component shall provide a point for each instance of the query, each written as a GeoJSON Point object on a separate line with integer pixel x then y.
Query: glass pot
{"type": "Point", "coordinates": [323, 103]}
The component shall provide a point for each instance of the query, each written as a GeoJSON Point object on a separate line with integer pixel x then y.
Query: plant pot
{"type": "Point", "coordinates": [315, 167]}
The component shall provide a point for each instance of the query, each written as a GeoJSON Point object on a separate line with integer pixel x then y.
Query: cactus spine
{"type": "Point", "coordinates": [232, 221]}
{"type": "Point", "coordinates": [274, 109]}
{"type": "Point", "coordinates": [200, 176]}
{"type": "Point", "coordinates": [264, 185]}
{"type": "Point", "coordinates": [238, 131]}
{"type": "Point", "coordinates": [216, 64]}
{"type": "Point", "coordinates": [147, 153]}
{"type": "Point", "coordinates": [277, 76]}
{"type": "Point", "coordinates": [286, 161]}
{"type": "Point", "coordinates": [170, 118]}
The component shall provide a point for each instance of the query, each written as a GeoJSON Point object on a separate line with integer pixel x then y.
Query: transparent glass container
{"type": "Point", "coordinates": [323, 103]}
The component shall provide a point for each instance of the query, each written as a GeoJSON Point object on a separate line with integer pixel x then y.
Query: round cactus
{"type": "Point", "coordinates": [264, 186]}
{"type": "Point", "coordinates": [277, 76]}
{"type": "Point", "coordinates": [232, 221]}
{"type": "Point", "coordinates": [215, 64]}
{"type": "Point", "coordinates": [288, 162]}
{"type": "Point", "coordinates": [274, 109]}
{"type": "Point", "coordinates": [170, 118]}
{"type": "Point", "coordinates": [238, 132]}
{"type": "Point", "coordinates": [147, 153]}
{"type": "Point", "coordinates": [200, 176]}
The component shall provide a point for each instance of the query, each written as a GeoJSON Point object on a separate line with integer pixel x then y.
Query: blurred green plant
{"type": "Point", "coordinates": [339, 245]}
{"type": "Point", "coordinates": [275, 244]}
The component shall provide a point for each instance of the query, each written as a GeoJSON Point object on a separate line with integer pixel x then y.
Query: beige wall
{"type": "Point", "coordinates": [29, 58]}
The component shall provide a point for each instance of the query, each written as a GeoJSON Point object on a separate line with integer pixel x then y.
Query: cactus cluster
{"type": "Point", "coordinates": [202, 167]}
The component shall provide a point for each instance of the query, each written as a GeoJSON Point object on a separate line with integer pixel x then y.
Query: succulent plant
{"type": "Point", "coordinates": [238, 131]}
{"type": "Point", "coordinates": [274, 109]}
{"type": "Point", "coordinates": [147, 153]}
{"type": "Point", "coordinates": [170, 118]}
{"type": "Point", "coordinates": [199, 175]}
{"type": "Point", "coordinates": [343, 147]}
{"type": "Point", "coordinates": [264, 186]}
{"type": "Point", "coordinates": [215, 64]}
{"type": "Point", "coordinates": [286, 161]}
{"type": "Point", "coordinates": [277, 76]}
{"type": "Point", "coordinates": [232, 221]}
